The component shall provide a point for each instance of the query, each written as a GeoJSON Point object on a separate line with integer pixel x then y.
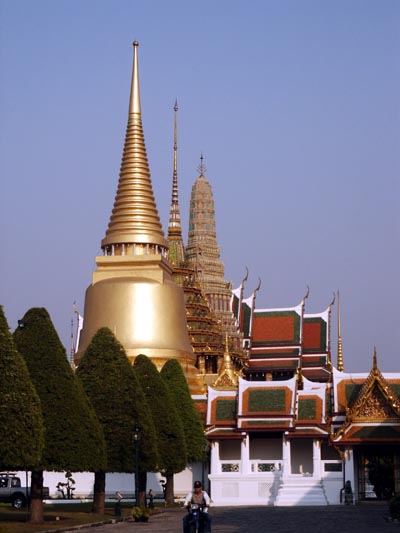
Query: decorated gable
{"type": "Point", "coordinates": [374, 413]}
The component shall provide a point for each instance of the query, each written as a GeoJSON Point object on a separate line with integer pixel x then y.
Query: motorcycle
{"type": "Point", "coordinates": [196, 518]}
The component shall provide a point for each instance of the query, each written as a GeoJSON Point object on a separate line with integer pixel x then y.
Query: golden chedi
{"type": "Point", "coordinates": [132, 290]}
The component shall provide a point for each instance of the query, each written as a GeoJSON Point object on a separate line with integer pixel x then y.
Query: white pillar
{"type": "Point", "coordinates": [245, 455]}
{"type": "Point", "coordinates": [215, 465]}
{"type": "Point", "coordinates": [317, 458]}
{"type": "Point", "coordinates": [287, 465]}
{"type": "Point", "coordinates": [350, 471]}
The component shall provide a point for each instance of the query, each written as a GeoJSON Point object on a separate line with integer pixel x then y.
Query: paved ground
{"type": "Point", "coordinates": [361, 518]}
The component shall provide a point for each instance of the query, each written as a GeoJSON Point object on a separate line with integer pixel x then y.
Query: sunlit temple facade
{"type": "Point", "coordinates": [286, 424]}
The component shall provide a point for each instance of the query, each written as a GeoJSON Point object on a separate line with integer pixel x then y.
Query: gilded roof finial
{"type": "Point", "coordinates": [227, 376]}
{"type": "Point", "coordinates": [134, 219]}
{"type": "Point", "coordinates": [340, 365]}
{"type": "Point", "coordinates": [202, 168]}
{"type": "Point", "coordinates": [175, 217]}
{"type": "Point", "coordinates": [375, 360]}
{"type": "Point", "coordinates": [134, 101]}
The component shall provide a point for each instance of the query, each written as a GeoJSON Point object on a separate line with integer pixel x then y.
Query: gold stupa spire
{"type": "Point", "coordinates": [340, 365]}
{"type": "Point", "coordinates": [174, 227]}
{"type": "Point", "coordinates": [133, 292]}
{"type": "Point", "coordinates": [134, 226]}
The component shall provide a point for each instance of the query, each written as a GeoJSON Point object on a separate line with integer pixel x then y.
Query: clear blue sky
{"type": "Point", "coordinates": [295, 105]}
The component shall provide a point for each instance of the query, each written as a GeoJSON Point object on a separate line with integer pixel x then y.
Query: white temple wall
{"type": "Point", "coordinates": [255, 477]}
{"type": "Point", "coordinates": [245, 472]}
{"type": "Point", "coordinates": [235, 489]}
{"type": "Point", "coordinates": [332, 483]}
{"type": "Point", "coordinates": [124, 483]}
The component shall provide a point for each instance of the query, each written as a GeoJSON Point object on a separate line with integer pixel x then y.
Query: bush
{"type": "Point", "coordinates": [139, 512]}
{"type": "Point", "coordinates": [394, 507]}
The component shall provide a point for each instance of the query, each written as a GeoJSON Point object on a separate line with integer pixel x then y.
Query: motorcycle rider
{"type": "Point", "coordinates": [200, 497]}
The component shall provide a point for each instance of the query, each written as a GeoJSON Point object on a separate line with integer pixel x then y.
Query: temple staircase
{"type": "Point", "coordinates": [300, 490]}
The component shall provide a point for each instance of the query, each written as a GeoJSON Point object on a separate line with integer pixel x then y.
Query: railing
{"type": "Point", "coordinates": [229, 466]}
{"type": "Point", "coordinates": [258, 466]}
{"type": "Point", "coordinates": [263, 466]}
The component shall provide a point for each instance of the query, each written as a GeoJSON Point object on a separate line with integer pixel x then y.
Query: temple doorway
{"type": "Point", "coordinates": [377, 472]}
{"type": "Point", "coordinates": [301, 451]}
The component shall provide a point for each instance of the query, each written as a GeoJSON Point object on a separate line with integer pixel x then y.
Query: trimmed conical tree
{"type": "Point", "coordinates": [121, 407]}
{"type": "Point", "coordinates": [21, 423]}
{"type": "Point", "coordinates": [174, 378]}
{"type": "Point", "coordinates": [170, 436]}
{"type": "Point", "coordinates": [73, 436]}
{"type": "Point", "coordinates": [193, 430]}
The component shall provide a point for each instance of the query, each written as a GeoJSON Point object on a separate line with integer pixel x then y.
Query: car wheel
{"type": "Point", "coordinates": [18, 502]}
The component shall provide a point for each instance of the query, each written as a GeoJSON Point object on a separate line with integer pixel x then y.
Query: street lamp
{"type": "Point", "coordinates": [204, 463]}
{"type": "Point", "coordinates": [136, 439]}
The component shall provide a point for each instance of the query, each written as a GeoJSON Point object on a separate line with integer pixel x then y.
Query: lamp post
{"type": "Point", "coordinates": [136, 438]}
{"type": "Point", "coordinates": [204, 463]}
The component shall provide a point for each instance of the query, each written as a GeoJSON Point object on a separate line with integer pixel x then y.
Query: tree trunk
{"type": "Point", "coordinates": [169, 492]}
{"type": "Point", "coordinates": [142, 487]}
{"type": "Point", "coordinates": [36, 510]}
{"type": "Point", "coordinates": [99, 492]}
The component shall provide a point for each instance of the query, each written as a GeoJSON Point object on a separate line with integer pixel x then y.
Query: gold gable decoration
{"type": "Point", "coordinates": [376, 407]}
{"type": "Point", "coordinates": [373, 396]}
{"type": "Point", "coordinates": [376, 402]}
{"type": "Point", "coordinates": [228, 377]}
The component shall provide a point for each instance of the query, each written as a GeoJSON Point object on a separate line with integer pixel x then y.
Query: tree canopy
{"type": "Point", "coordinates": [120, 404]}
{"type": "Point", "coordinates": [174, 378]}
{"type": "Point", "coordinates": [21, 424]}
{"type": "Point", "coordinates": [170, 437]}
{"type": "Point", "coordinates": [73, 436]}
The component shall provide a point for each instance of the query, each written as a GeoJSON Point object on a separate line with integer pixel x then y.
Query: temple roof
{"type": "Point", "coordinates": [277, 327]}
{"type": "Point", "coordinates": [372, 408]}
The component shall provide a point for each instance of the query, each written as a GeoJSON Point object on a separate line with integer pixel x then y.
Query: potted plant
{"type": "Point", "coordinates": [141, 514]}
{"type": "Point", "coordinates": [394, 508]}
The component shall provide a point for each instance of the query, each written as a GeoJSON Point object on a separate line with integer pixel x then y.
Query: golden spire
{"type": "Point", "coordinates": [340, 365]}
{"type": "Point", "coordinates": [375, 360]}
{"type": "Point", "coordinates": [227, 376]}
{"type": "Point", "coordinates": [174, 227]}
{"type": "Point", "coordinates": [134, 226]}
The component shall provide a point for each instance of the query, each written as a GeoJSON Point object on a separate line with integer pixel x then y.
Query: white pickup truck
{"type": "Point", "coordinates": [11, 490]}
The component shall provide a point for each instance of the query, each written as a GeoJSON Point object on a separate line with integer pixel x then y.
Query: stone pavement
{"type": "Point", "coordinates": [360, 518]}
